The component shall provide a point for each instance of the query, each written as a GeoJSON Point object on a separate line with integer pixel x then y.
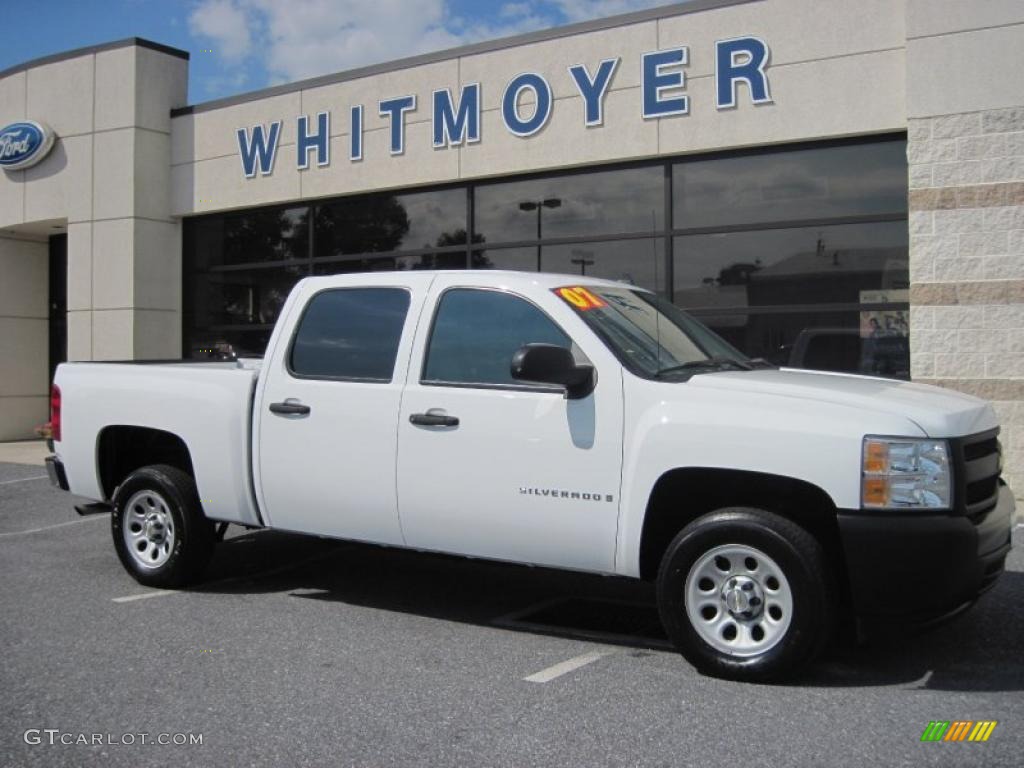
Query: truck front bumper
{"type": "Point", "coordinates": [917, 569]}
{"type": "Point", "coordinates": [55, 469]}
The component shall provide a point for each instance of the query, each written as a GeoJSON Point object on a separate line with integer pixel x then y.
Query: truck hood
{"type": "Point", "coordinates": [938, 412]}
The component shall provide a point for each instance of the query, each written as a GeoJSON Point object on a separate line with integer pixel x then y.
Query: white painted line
{"type": "Point", "coordinates": [23, 480]}
{"type": "Point", "coordinates": [565, 667]}
{"type": "Point", "coordinates": [246, 577]}
{"type": "Point", "coordinates": [145, 596]}
{"type": "Point", "coordinates": [58, 525]}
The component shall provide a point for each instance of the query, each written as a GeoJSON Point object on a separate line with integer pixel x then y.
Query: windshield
{"type": "Point", "coordinates": [651, 336]}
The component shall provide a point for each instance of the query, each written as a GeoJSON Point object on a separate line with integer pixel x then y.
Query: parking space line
{"type": "Point", "coordinates": [23, 479]}
{"type": "Point", "coordinates": [220, 582]}
{"type": "Point", "coordinates": [145, 596]}
{"type": "Point", "coordinates": [51, 527]}
{"type": "Point", "coordinates": [565, 667]}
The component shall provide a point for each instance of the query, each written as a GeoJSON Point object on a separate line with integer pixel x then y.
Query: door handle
{"type": "Point", "coordinates": [288, 408]}
{"type": "Point", "coordinates": [434, 420]}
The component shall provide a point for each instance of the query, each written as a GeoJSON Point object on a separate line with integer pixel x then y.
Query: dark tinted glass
{"type": "Point", "coordinates": [873, 342]}
{"type": "Point", "coordinates": [351, 333]}
{"type": "Point", "coordinates": [855, 180]}
{"type": "Point", "coordinates": [854, 263]}
{"type": "Point", "coordinates": [242, 297]}
{"type": "Point", "coordinates": [390, 222]}
{"type": "Point", "coordinates": [450, 260]}
{"type": "Point", "coordinates": [634, 262]}
{"type": "Point", "coordinates": [279, 234]}
{"type": "Point", "coordinates": [631, 200]}
{"type": "Point", "coordinates": [477, 332]}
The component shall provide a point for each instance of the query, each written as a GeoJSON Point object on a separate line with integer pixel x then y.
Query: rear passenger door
{"type": "Point", "coordinates": [325, 429]}
{"type": "Point", "coordinates": [519, 472]}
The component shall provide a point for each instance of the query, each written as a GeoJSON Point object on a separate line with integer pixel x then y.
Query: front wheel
{"type": "Point", "coordinates": [744, 594]}
{"type": "Point", "coordinates": [160, 533]}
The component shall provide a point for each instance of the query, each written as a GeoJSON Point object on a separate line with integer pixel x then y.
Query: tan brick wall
{"type": "Point", "coordinates": [967, 262]}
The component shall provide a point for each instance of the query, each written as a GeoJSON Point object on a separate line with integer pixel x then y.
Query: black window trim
{"type": "Point", "coordinates": [425, 382]}
{"type": "Point", "coordinates": [350, 379]}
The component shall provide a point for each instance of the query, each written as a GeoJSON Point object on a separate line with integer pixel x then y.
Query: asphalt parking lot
{"type": "Point", "coordinates": [304, 651]}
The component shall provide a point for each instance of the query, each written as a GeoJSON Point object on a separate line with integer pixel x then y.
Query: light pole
{"type": "Point", "coordinates": [539, 206]}
{"type": "Point", "coordinates": [582, 258]}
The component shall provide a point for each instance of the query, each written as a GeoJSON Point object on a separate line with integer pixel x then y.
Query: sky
{"type": "Point", "coordinates": [244, 45]}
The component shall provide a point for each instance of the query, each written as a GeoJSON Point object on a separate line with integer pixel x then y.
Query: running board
{"type": "Point", "coordinates": [96, 508]}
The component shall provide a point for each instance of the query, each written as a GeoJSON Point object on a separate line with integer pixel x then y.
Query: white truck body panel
{"type": "Point", "coordinates": [529, 476]}
{"type": "Point", "coordinates": [207, 405]}
{"type": "Point", "coordinates": [362, 471]}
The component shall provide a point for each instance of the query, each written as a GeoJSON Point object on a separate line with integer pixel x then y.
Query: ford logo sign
{"type": "Point", "coordinates": [24, 144]}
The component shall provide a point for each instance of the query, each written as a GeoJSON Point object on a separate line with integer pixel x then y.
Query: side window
{"type": "Point", "coordinates": [476, 333]}
{"type": "Point", "coordinates": [350, 333]}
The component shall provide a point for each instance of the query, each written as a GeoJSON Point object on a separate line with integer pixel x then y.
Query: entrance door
{"type": "Point", "coordinates": [493, 467]}
{"type": "Point", "coordinates": [58, 301]}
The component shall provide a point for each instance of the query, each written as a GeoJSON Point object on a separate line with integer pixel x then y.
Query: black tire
{"type": "Point", "coordinates": [193, 534]}
{"type": "Point", "coordinates": [802, 562]}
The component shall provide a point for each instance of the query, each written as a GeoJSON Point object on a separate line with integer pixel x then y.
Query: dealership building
{"type": "Point", "coordinates": [828, 184]}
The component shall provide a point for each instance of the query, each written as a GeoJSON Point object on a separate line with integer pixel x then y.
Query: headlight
{"type": "Point", "coordinates": [905, 473]}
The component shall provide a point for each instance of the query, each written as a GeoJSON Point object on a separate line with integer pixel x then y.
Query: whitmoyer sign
{"type": "Point", "coordinates": [456, 121]}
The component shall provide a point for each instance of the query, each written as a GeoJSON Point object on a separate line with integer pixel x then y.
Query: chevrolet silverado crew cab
{"type": "Point", "coordinates": [557, 421]}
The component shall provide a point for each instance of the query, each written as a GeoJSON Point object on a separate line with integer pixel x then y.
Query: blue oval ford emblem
{"type": "Point", "coordinates": [24, 144]}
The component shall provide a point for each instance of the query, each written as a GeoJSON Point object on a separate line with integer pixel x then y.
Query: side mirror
{"type": "Point", "coordinates": [551, 364]}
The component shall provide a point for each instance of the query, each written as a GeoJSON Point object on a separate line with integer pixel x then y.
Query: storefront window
{"type": "Point", "coordinates": [390, 222]}
{"type": "Point", "coordinates": [795, 254]}
{"type": "Point", "coordinates": [798, 185]}
{"type": "Point", "coordinates": [585, 204]}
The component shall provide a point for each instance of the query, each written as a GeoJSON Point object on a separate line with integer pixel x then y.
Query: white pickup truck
{"type": "Point", "coordinates": [558, 421]}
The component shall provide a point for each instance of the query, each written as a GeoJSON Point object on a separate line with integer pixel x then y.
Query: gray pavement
{"type": "Point", "coordinates": [305, 651]}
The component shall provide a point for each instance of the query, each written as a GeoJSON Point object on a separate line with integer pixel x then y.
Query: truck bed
{"type": "Point", "coordinates": [207, 404]}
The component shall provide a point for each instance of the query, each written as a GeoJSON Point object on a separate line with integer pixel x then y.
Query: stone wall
{"type": "Point", "coordinates": [967, 262]}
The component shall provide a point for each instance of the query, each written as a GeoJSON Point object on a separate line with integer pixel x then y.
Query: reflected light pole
{"type": "Point", "coordinates": [583, 259]}
{"type": "Point", "coordinates": [539, 206]}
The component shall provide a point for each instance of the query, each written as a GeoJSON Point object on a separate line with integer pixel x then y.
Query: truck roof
{"type": "Point", "coordinates": [488, 278]}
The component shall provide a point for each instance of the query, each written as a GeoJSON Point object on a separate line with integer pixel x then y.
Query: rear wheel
{"type": "Point", "coordinates": [160, 533]}
{"type": "Point", "coordinates": [745, 594]}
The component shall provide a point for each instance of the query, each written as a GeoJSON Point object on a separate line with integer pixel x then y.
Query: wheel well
{"type": "Point", "coordinates": [682, 495]}
{"type": "Point", "coordinates": [123, 449]}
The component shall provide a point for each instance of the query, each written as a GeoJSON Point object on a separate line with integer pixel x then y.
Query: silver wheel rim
{"type": "Point", "coordinates": [148, 529]}
{"type": "Point", "coordinates": [738, 600]}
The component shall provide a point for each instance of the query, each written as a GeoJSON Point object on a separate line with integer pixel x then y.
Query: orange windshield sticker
{"type": "Point", "coordinates": [580, 298]}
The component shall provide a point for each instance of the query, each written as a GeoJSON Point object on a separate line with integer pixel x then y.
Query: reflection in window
{"type": "Point", "coordinates": [278, 234]}
{"type": "Point", "coordinates": [637, 262]}
{"type": "Point", "coordinates": [476, 333]}
{"type": "Point", "coordinates": [350, 333]}
{"type": "Point", "coordinates": [243, 297]}
{"type": "Point", "coordinates": [872, 342]}
{"type": "Point", "coordinates": [855, 180]}
{"type": "Point", "coordinates": [602, 202]}
{"type": "Point", "coordinates": [388, 222]}
{"type": "Point", "coordinates": [853, 263]}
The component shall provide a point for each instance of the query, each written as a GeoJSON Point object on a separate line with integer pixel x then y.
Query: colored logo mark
{"type": "Point", "coordinates": [959, 730]}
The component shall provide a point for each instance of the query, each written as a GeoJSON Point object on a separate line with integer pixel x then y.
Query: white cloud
{"type": "Point", "coordinates": [298, 39]}
{"type": "Point", "coordinates": [226, 24]}
{"type": "Point", "coordinates": [582, 10]}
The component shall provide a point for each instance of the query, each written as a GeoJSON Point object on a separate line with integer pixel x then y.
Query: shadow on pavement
{"type": "Point", "coordinates": [978, 651]}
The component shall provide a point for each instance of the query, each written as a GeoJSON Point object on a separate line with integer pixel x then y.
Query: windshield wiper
{"type": "Point", "coordinates": [705, 365]}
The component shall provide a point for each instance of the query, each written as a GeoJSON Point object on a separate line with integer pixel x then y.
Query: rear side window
{"type": "Point", "coordinates": [350, 333]}
{"type": "Point", "coordinates": [476, 333]}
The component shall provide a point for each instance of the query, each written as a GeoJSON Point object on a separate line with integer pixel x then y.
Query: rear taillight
{"type": "Point", "coordinates": [55, 413]}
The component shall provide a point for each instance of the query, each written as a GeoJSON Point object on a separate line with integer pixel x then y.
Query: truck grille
{"type": "Point", "coordinates": [976, 478]}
